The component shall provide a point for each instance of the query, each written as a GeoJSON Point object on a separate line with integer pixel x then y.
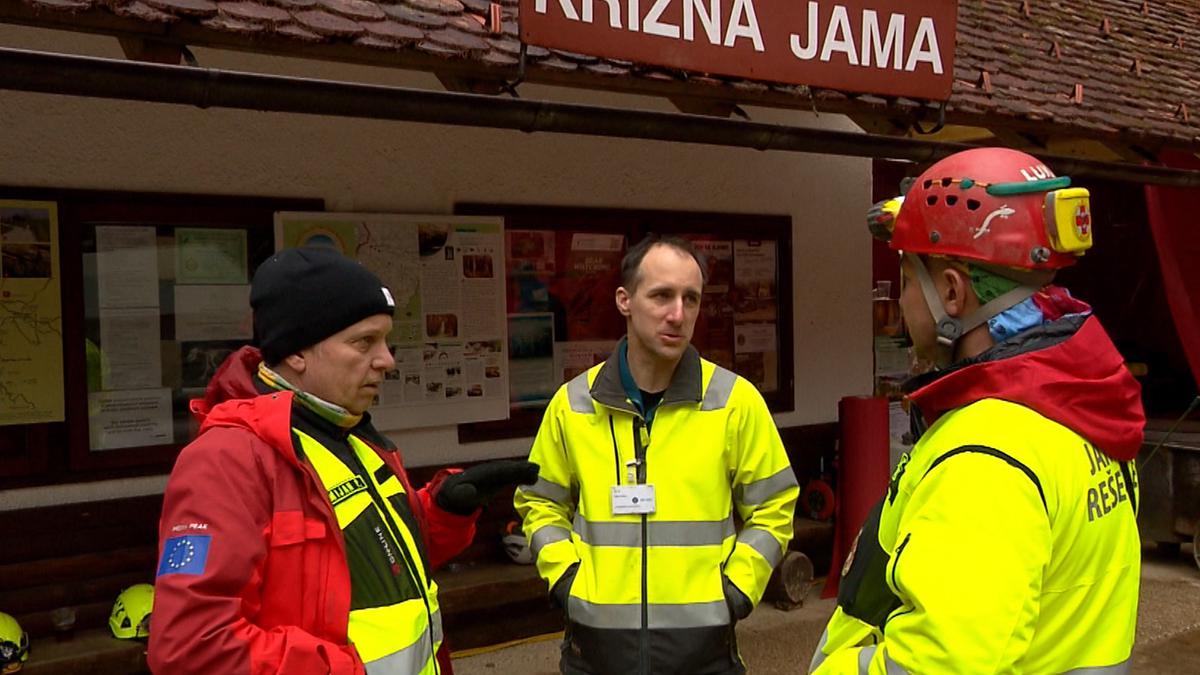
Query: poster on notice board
{"type": "Point", "coordinates": [449, 333]}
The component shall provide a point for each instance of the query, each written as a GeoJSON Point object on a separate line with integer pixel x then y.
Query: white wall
{"type": "Point", "coordinates": [363, 165]}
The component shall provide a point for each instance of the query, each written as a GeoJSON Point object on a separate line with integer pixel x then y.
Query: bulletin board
{"type": "Point", "coordinates": [561, 274]}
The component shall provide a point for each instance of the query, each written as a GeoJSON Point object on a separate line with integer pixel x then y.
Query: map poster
{"type": "Point", "coordinates": [449, 333]}
{"type": "Point", "coordinates": [31, 368]}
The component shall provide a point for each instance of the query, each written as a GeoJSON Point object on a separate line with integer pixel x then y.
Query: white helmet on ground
{"type": "Point", "coordinates": [515, 544]}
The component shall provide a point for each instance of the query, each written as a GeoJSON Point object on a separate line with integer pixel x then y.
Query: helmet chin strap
{"type": "Point", "coordinates": [949, 328]}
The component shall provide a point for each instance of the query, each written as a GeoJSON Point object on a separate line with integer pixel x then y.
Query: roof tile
{"type": "Point", "coordinates": [477, 6]}
{"type": "Point", "coordinates": [253, 11]}
{"type": "Point", "coordinates": [396, 32]}
{"type": "Point", "coordinates": [505, 45]}
{"type": "Point", "coordinates": [748, 85]}
{"type": "Point", "coordinates": [184, 7]}
{"type": "Point", "coordinates": [1030, 79]}
{"type": "Point", "coordinates": [68, 5]}
{"type": "Point", "coordinates": [414, 17]}
{"type": "Point", "coordinates": [358, 10]}
{"type": "Point", "coordinates": [437, 49]}
{"type": "Point", "coordinates": [470, 23]}
{"type": "Point", "coordinates": [232, 25]}
{"type": "Point", "coordinates": [657, 75]}
{"type": "Point", "coordinates": [298, 32]}
{"type": "Point", "coordinates": [142, 11]}
{"type": "Point", "coordinates": [606, 69]}
{"type": "Point", "coordinates": [495, 58]}
{"type": "Point", "coordinates": [457, 40]}
{"type": "Point", "coordinates": [329, 25]}
{"type": "Point", "coordinates": [572, 56]}
{"type": "Point", "coordinates": [378, 43]}
{"type": "Point", "coordinates": [555, 63]}
{"type": "Point", "coordinates": [437, 6]}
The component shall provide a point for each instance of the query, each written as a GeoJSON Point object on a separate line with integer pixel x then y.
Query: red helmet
{"type": "Point", "coordinates": [996, 206]}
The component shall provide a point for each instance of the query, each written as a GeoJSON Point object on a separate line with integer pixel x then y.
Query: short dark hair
{"type": "Point", "coordinates": [632, 261]}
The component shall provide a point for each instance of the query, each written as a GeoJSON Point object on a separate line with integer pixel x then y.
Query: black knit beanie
{"type": "Point", "coordinates": [301, 296]}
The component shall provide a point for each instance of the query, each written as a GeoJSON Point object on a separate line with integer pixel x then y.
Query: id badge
{"type": "Point", "coordinates": [632, 499]}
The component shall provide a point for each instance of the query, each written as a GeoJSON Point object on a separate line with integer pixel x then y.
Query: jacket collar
{"type": "Point", "coordinates": [1067, 370]}
{"type": "Point", "coordinates": [1039, 337]}
{"type": "Point", "coordinates": [687, 382]}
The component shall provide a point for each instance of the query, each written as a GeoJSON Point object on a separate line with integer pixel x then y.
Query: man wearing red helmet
{"type": "Point", "coordinates": [1007, 540]}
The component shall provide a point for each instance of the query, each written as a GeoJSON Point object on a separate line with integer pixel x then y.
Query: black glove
{"type": "Point", "coordinates": [464, 492]}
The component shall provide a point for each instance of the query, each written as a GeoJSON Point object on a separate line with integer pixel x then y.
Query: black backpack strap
{"type": "Point", "coordinates": [1130, 486]}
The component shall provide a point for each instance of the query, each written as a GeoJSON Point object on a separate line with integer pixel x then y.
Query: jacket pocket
{"type": "Point", "coordinates": [291, 527]}
{"type": "Point", "coordinates": [562, 589]}
{"type": "Point", "coordinates": [739, 605]}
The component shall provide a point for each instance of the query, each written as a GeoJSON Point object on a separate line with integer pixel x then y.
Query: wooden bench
{"type": "Point", "coordinates": [80, 556]}
{"type": "Point", "coordinates": [77, 556]}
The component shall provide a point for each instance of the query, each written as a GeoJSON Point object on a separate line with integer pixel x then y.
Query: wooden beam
{"type": "Point", "coordinates": [710, 107]}
{"type": "Point", "coordinates": [151, 51]}
{"type": "Point", "coordinates": [472, 85]}
{"type": "Point", "coordinates": [1132, 152]}
{"type": "Point", "coordinates": [881, 125]}
{"type": "Point", "coordinates": [957, 133]}
{"type": "Point", "coordinates": [1018, 139]}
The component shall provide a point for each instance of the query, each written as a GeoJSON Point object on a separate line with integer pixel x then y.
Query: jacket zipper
{"type": "Point", "coordinates": [639, 453]}
{"type": "Point", "coordinates": [616, 452]}
{"type": "Point", "coordinates": [381, 506]}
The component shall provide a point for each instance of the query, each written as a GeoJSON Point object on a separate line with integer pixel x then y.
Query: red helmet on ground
{"type": "Point", "coordinates": [997, 206]}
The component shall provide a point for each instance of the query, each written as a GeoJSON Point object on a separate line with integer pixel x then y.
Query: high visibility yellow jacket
{"type": "Point", "coordinates": [395, 623]}
{"type": "Point", "coordinates": [1007, 541]}
{"type": "Point", "coordinates": [649, 593]}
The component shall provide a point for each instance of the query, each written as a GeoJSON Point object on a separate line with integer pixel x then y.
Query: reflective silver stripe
{"type": "Point", "coordinates": [547, 535]}
{"type": "Point", "coordinates": [408, 661]}
{"type": "Point", "coordinates": [691, 615]}
{"type": "Point", "coordinates": [719, 389]}
{"type": "Point", "coordinates": [764, 542]}
{"type": "Point", "coordinates": [552, 491]}
{"type": "Point", "coordinates": [437, 626]}
{"type": "Point", "coordinates": [659, 533]}
{"type": "Point", "coordinates": [1122, 668]}
{"type": "Point", "coordinates": [819, 655]}
{"type": "Point", "coordinates": [580, 394]}
{"type": "Point", "coordinates": [758, 492]}
{"type": "Point", "coordinates": [864, 659]}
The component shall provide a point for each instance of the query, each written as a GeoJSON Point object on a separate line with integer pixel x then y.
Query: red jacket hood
{"type": "Point", "coordinates": [232, 400]}
{"type": "Point", "coordinates": [1068, 370]}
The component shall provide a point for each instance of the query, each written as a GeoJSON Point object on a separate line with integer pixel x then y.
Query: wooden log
{"type": "Point", "coordinates": [791, 581]}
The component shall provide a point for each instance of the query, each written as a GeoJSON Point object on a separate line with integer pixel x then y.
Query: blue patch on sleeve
{"type": "Point", "coordinates": [185, 555]}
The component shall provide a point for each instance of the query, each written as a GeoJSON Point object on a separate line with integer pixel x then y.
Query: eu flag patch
{"type": "Point", "coordinates": [185, 555]}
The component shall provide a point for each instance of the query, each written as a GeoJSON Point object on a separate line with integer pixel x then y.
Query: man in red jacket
{"type": "Point", "coordinates": [291, 540]}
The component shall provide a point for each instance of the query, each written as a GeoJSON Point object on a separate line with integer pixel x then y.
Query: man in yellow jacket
{"type": "Point", "coordinates": [644, 460]}
{"type": "Point", "coordinates": [1007, 541]}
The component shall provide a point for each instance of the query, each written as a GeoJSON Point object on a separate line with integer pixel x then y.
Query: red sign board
{"type": "Point", "coordinates": [886, 47]}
